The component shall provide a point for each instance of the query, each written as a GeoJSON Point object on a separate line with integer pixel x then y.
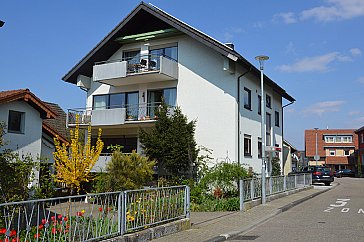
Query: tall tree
{"type": "Point", "coordinates": [171, 142]}
{"type": "Point", "coordinates": [74, 162]}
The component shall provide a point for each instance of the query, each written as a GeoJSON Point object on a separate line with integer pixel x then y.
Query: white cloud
{"type": "Point", "coordinates": [361, 79]}
{"type": "Point", "coordinates": [316, 63]}
{"type": "Point", "coordinates": [290, 49]}
{"type": "Point", "coordinates": [288, 18]}
{"type": "Point", "coordinates": [333, 10]}
{"type": "Point", "coordinates": [352, 113]}
{"type": "Point", "coordinates": [355, 52]}
{"type": "Point", "coordinates": [230, 33]}
{"type": "Point", "coordinates": [323, 107]}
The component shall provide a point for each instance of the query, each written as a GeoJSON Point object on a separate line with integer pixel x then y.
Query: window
{"type": "Point", "coordinates": [362, 138]}
{"type": "Point", "coordinates": [329, 139]}
{"type": "Point", "coordinates": [169, 52]}
{"type": "Point", "coordinates": [268, 128]}
{"type": "Point", "coordinates": [276, 118]}
{"type": "Point", "coordinates": [259, 104]}
{"type": "Point", "coordinates": [346, 152]}
{"type": "Point", "coordinates": [332, 152]}
{"type": "Point", "coordinates": [247, 98]}
{"type": "Point", "coordinates": [347, 139]}
{"type": "Point", "coordinates": [16, 122]}
{"type": "Point", "coordinates": [268, 101]}
{"type": "Point", "coordinates": [115, 100]}
{"type": "Point", "coordinates": [247, 145]}
{"type": "Point", "coordinates": [155, 98]}
{"type": "Point", "coordinates": [338, 139]}
{"type": "Point", "coordinates": [259, 147]}
{"type": "Point", "coordinates": [132, 57]}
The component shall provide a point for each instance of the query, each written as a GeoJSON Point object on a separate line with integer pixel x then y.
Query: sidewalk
{"type": "Point", "coordinates": [218, 226]}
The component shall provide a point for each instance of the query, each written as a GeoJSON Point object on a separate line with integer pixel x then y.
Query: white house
{"type": "Point", "coordinates": [151, 54]}
{"type": "Point", "coordinates": [31, 124]}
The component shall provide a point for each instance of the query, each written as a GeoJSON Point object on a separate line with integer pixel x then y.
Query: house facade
{"type": "Point", "coordinates": [152, 56]}
{"type": "Point", "coordinates": [29, 130]}
{"type": "Point", "coordinates": [360, 152]}
{"type": "Point", "coordinates": [335, 147]}
{"type": "Point", "coordinates": [290, 159]}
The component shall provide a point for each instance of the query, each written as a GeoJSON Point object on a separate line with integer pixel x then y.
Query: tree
{"type": "Point", "coordinates": [74, 162]}
{"type": "Point", "coordinates": [126, 172]}
{"type": "Point", "coordinates": [276, 167]}
{"type": "Point", "coordinates": [171, 142]}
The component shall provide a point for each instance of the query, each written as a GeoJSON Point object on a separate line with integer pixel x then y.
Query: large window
{"type": "Point", "coordinates": [155, 98]}
{"type": "Point", "coordinates": [115, 100]}
{"type": "Point", "coordinates": [247, 145]}
{"type": "Point", "coordinates": [168, 52]}
{"type": "Point", "coordinates": [16, 122]}
{"type": "Point", "coordinates": [338, 139]}
{"type": "Point", "coordinates": [247, 98]}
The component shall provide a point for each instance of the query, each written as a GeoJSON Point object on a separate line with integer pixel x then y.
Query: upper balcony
{"type": "Point", "coordinates": [148, 68]}
{"type": "Point", "coordinates": [107, 116]}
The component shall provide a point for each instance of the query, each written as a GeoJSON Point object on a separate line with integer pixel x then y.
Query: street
{"type": "Point", "coordinates": [336, 215]}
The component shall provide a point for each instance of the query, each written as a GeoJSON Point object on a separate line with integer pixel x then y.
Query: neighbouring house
{"type": "Point", "coordinates": [152, 56]}
{"type": "Point", "coordinates": [31, 125]}
{"type": "Point", "coordinates": [360, 152]}
{"type": "Point", "coordinates": [335, 147]}
{"type": "Point", "coordinates": [290, 159]}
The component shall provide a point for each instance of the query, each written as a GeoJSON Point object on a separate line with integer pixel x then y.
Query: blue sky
{"type": "Point", "coordinates": [316, 49]}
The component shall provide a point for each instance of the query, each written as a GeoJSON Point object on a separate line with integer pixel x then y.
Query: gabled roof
{"type": "Point", "coordinates": [359, 130]}
{"type": "Point", "coordinates": [30, 98]}
{"type": "Point", "coordinates": [146, 18]}
{"type": "Point", "coordinates": [53, 116]}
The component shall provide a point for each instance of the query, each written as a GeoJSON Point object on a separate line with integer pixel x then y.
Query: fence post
{"type": "Point", "coordinates": [304, 179]}
{"type": "Point", "coordinates": [122, 212]}
{"type": "Point", "coordinates": [241, 194]}
{"type": "Point", "coordinates": [284, 183]}
{"type": "Point", "coordinates": [270, 185]}
{"type": "Point", "coordinates": [295, 181]}
{"type": "Point", "coordinates": [252, 189]}
{"type": "Point", "coordinates": [187, 202]}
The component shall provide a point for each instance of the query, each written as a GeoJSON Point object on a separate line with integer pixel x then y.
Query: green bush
{"type": "Point", "coordinates": [210, 204]}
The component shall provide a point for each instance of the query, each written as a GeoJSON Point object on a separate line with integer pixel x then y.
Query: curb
{"type": "Point", "coordinates": [227, 236]}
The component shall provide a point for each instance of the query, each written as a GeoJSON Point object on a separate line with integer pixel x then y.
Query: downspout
{"type": "Point", "coordinates": [239, 110]}
{"type": "Point", "coordinates": [282, 172]}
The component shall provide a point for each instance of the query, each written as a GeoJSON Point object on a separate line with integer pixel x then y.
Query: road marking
{"type": "Point", "coordinates": [328, 209]}
{"type": "Point", "coordinates": [341, 202]}
{"type": "Point", "coordinates": [345, 210]}
{"type": "Point", "coordinates": [361, 210]}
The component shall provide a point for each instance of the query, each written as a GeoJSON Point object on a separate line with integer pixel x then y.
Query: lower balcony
{"type": "Point", "coordinates": [131, 114]}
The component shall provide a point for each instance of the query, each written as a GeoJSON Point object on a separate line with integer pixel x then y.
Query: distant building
{"type": "Point", "coordinates": [335, 147]}
{"type": "Point", "coordinates": [290, 159]}
{"type": "Point", "coordinates": [360, 152]}
{"type": "Point", "coordinates": [31, 124]}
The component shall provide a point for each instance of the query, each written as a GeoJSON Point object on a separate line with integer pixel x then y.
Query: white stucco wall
{"type": "Point", "coordinates": [28, 142]}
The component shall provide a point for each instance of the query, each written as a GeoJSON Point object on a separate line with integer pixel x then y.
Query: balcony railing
{"type": "Point", "coordinates": [114, 115]}
{"type": "Point", "coordinates": [111, 71]}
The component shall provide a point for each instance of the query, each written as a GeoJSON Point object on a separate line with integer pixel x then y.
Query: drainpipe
{"type": "Point", "coordinates": [239, 110]}
{"type": "Point", "coordinates": [283, 131]}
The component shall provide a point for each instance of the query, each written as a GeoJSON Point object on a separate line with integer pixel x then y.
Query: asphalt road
{"type": "Point", "coordinates": [336, 215]}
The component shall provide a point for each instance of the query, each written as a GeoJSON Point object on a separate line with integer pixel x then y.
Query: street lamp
{"type": "Point", "coordinates": [317, 157]}
{"type": "Point", "coordinates": [261, 59]}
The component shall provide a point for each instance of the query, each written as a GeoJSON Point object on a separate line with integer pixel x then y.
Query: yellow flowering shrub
{"type": "Point", "coordinates": [74, 161]}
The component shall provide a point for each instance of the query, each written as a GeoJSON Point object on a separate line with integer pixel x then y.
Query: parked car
{"type": "Point", "coordinates": [321, 174]}
{"type": "Point", "coordinates": [345, 172]}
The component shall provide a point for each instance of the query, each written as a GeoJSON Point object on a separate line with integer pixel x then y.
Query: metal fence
{"type": "Point", "coordinates": [276, 184]}
{"type": "Point", "coordinates": [93, 216]}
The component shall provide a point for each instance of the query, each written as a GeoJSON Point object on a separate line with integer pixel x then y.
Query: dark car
{"type": "Point", "coordinates": [321, 174]}
{"type": "Point", "coordinates": [345, 172]}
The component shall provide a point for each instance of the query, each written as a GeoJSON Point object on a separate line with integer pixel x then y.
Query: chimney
{"type": "Point", "coordinates": [230, 45]}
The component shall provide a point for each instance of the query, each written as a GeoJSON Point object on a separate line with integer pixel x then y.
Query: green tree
{"type": "Point", "coordinates": [171, 142]}
{"type": "Point", "coordinates": [276, 166]}
{"type": "Point", "coordinates": [125, 171]}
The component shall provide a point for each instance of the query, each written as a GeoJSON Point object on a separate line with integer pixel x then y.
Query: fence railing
{"type": "Point", "coordinates": [93, 216]}
{"type": "Point", "coordinates": [276, 184]}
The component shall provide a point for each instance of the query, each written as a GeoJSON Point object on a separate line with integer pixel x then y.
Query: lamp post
{"type": "Point", "coordinates": [261, 59]}
{"type": "Point", "coordinates": [317, 157]}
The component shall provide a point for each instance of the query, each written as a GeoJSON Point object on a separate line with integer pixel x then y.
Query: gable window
{"type": "Point", "coordinates": [276, 118]}
{"type": "Point", "coordinates": [332, 152]}
{"type": "Point", "coordinates": [247, 98]}
{"type": "Point", "coordinates": [329, 139]}
{"type": "Point", "coordinates": [247, 145]}
{"type": "Point", "coordinates": [268, 101]}
{"type": "Point", "coordinates": [259, 104]}
{"type": "Point", "coordinates": [16, 122]}
{"type": "Point", "coordinates": [347, 139]}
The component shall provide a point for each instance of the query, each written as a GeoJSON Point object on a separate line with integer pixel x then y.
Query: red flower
{"type": "Point", "coordinates": [65, 219]}
{"type": "Point", "coordinates": [100, 209]}
{"type": "Point", "coordinates": [41, 226]}
{"type": "Point", "coordinates": [44, 221]}
{"type": "Point", "coordinates": [53, 218]}
{"type": "Point", "coordinates": [79, 214]}
{"type": "Point", "coordinates": [2, 231]}
{"type": "Point", "coordinates": [54, 230]}
{"type": "Point", "coordinates": [36, 236]}
{"type": "Point", "coordinates": [7, 240]}
{"type": "Point", "coordinates": [15, 240]}
{"type": "Point", "coordinates": [12, 233]}
{"type": "Point", "coordinates": [59, 216]}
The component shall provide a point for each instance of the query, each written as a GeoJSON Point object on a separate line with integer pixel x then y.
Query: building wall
{"type": "Point", "coordinates": [28, 142]}
{"type": "Point", "coordinates": [208, 94]}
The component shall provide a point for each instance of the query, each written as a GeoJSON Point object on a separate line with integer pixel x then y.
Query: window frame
{"type": "Point", "coordinates": [276, 118]}
{"type": "Point", "coordinates": [260, 148]}
{"type": "Point", "coordinates": [248, 96]}
{"type": "Point", "coordinates": [268, 101]}
{"type": "Point", "coordinates": [348, 152]}
{"type": "Point", "coordinates": [259, 105]}
{"type": "Point", "coordinates": [247, 145]}
{"type": "Point", "coordinates": [332, 152]}
{"type": "Point", "coordinates": [20, 122]}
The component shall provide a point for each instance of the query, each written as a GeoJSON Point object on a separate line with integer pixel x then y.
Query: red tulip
{"type": "Point", "coordinates": [12, 233]}
{"type": "Point", "coordinates": [100, 209]}
{"type": "Point", "coordinates": [59, 216]}
{"type": "Point", "coordinates": [36, 236]}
